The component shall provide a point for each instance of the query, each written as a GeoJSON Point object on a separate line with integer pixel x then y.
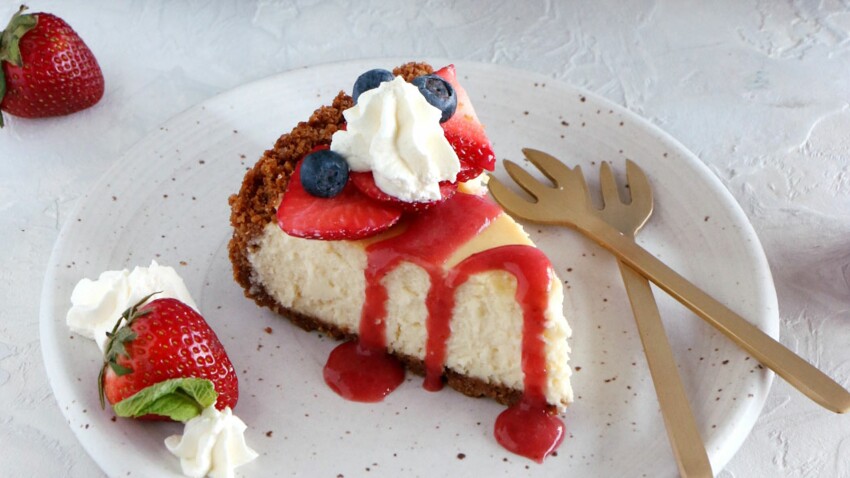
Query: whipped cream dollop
{"type": "Point", "coordinates": [394, 132]}
{"type": "Point", "coordinates": [97, 304]}
{"type": "Point", "coordinates": [212, 444]}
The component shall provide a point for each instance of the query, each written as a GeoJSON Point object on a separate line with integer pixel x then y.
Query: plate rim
{"type": "Point", "coordinates": [49, 324]}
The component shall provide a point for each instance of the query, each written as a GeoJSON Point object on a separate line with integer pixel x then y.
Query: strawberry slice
{"type": "Point", "coordinates": [365, 182]}
{"type": "Point", "coordinates": [467, 171]}
{"type": "Point", "coordinates": [348, 215]}
{"type": "Point", "coordinates": [464, 131]}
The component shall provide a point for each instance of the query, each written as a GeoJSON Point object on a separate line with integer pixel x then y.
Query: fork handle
{"type": "Point", "coordinates": [679, 421]}
{"type": "Point", "coordinates": [788, 365]}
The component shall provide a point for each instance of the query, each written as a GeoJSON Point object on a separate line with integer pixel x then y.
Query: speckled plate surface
{"type": "Point", "coordinates": [166, 199]}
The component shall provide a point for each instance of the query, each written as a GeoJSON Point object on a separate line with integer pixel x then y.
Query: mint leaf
{"type": "Point", "coordinates": [179, 399]}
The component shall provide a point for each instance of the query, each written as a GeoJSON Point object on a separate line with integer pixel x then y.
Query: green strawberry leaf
{"type": "Point", "coordinates": [179, 399]}
{"type": "Point", "coordinates": [120, 370]}
{"type": "Point", "coordinates": [120, 335]}
{"type": "Point", "coordinates": [117, 343]}
{"type": "Point", "coordinates": [19, 25]}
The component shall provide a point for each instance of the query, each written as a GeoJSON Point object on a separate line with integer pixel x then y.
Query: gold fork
{"type": "Point", "coordinates": [629, 218]}
{"type": "Point", "coordinates": [566, 204]}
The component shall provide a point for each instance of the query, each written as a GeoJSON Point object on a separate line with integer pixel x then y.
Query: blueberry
{"type": "Point", "coordinates": [324, 173]}
{"type": "Point", "coordinates": [439, 93]}
{"type": "Point", "coordinates": [369, 80]}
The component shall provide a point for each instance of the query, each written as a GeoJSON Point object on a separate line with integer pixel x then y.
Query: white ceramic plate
{"type": "Point", "coordinates": [166, 199]}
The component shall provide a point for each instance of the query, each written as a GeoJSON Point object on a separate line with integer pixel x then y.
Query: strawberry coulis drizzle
{"type": "Point", "coordinates": [362, 370]}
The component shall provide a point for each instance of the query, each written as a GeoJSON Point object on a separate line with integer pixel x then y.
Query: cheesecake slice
{"type": "Point", "coordinates": [457, 292]}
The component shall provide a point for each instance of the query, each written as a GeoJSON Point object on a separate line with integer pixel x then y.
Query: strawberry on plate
{"type": "Point", "coordinates": [45, 68]}
{"type": "Point", "coordinates": [163, 361]}
{"type": "Point", "coordinates": [348, 215]}
{"type": "Point", "coordinates": [466, 133]}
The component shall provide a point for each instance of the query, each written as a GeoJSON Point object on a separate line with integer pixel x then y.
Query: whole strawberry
{"type": "Point", "coordinates": [162, 360]}
{"type": "Point", "coordinates": [47, 69]}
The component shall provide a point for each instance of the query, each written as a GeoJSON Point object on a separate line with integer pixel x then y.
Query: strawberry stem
{"type": "Point", "coordinates": [120, 335]}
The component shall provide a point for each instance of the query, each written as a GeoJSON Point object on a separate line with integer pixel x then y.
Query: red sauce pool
{"type": "Point", "coordinates": [528, 430]}
{"type": "Point", "coordinates": [362, 374]}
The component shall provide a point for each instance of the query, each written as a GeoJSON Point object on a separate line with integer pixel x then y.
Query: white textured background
{"type": "Point", "coordinates": [759, 90]}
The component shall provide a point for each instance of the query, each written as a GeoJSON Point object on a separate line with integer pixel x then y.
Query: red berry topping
{"type": "Point", "coordinates": [365, 182]}
{"type": "Point", "coordinates": [463, 130]}
{"type": "Point", "coordinates": [348, 215]}
{"type": "Point", "coordinates": [467, 171]}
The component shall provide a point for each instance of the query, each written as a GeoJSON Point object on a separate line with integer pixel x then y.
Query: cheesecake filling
{"type": "Point", "coordinates": [486, 331]}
